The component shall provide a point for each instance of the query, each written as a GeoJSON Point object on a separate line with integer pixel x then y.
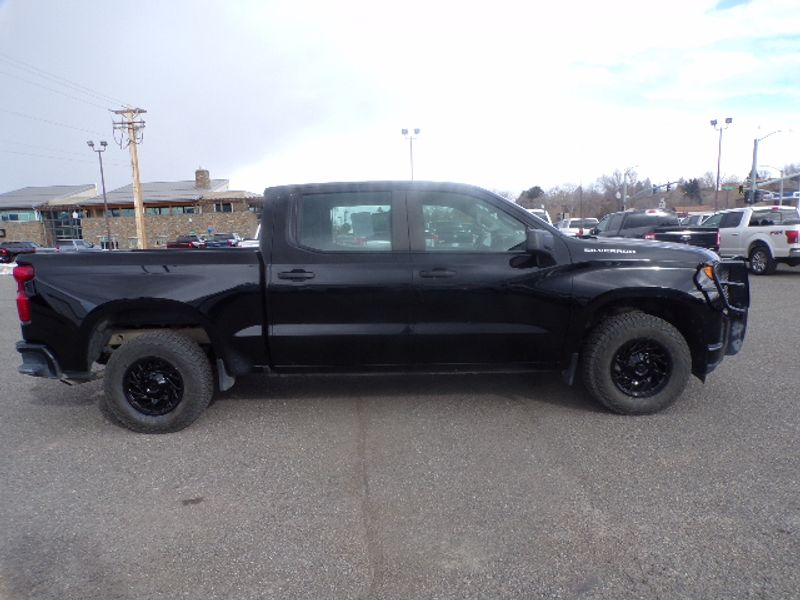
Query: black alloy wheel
{"type": "Point", "coordinates": [641, 368]}
{"type": "Point", "coordinates": [153, 386]}
{"type": "Point", "coordinates": [157, 382]}
{"type": "Point", "coordinates": [635, 363]}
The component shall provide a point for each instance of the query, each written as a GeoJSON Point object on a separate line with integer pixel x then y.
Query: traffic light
{"type": "Point", "coordinates": [741, 190]}
{"type": "Point", "coordinates": [669, 186]}
{"type": "Point", "coordinates": [654, 191]}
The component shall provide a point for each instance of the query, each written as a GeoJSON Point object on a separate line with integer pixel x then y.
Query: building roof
{"type": "Point", "coordinates": [32, 197]}
{"type": "Point", "coordinates": [231, 195]}
{"type": "Point", "coordinates": [160, 192]}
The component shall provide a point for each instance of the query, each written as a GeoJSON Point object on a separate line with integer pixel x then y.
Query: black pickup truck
{"type": "Point", "coordinates": [351, 277]}
{"type": "Point", "coordinates": [655, 224]}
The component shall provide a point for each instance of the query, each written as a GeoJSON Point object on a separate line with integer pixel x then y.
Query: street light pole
{"type": "Point", "coordinates": [780, 202]}
{"type": "Point", "coordinates": [625, 185]}
{"type": "Point", "coordinates": [99, 152]}
{"type": "Point", "coordinates": [411, 138]}
{"type": "Point", "coordinates": [728, 121]}
{"type": "Point", "coordinates": [753, 171]}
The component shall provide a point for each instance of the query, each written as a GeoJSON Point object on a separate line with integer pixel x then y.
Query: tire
{"type": "Point", "coordinates": [635, 363]}
{"type": "Point", "coordinates": [761, 261]}
{"type": "Point", "coordinates": [158, 382]}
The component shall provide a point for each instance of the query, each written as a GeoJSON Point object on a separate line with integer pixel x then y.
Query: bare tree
{"type": "Point", "coordinates": [708, 181]}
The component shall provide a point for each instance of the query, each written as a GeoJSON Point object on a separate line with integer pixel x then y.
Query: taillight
{"type": "Point", "coordinates": [649, 236]}
{"type": "Point", "coordinates": [792, 236]}
{"type": "Point", "coordinates": [719, 239]}
{"type": "Point", "coordinates": [23, 274]}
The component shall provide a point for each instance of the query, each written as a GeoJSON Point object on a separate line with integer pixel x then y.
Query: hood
{"type": "Point", "coordinates": [635, 249]}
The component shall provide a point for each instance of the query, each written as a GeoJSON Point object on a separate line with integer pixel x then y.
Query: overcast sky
{"type": "Point", "coordinates": [507, 94]}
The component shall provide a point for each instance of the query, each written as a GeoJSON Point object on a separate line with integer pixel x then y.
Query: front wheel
{"type": "Point", "coordinates": [635, 363]}
{"type": "Point", "coordinates": [761, 261]}
{"type": "Point", "coordinates": [158, 382]}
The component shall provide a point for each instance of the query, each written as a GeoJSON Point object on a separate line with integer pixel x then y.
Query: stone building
{"type": "Point", "coordinates": [42, 214]}
{"type": "Point", "coordinates": [172, 208]}
{"type": "Point", "coordinates": [202, 205]}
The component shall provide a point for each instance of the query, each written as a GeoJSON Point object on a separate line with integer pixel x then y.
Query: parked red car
{"type": "Point", "coordinates": [187, 241]}
{"type": "Point", "coordinates": [9, 250]}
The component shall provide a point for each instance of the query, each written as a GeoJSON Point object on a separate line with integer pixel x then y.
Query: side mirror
{"type": "Point", "coordinates": [594, 231]}
{"type": "Point", "coordinates": [538, 241]}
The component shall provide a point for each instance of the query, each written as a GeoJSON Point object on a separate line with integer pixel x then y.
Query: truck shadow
{"type": "Point", "coordinates": [411, 388]}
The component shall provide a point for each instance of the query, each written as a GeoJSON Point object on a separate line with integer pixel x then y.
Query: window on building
{"type": "Point", "coordinates": [223, 207]}
{"type": "Point", "coordinates": [184, 210]}
{"type": "Point", "coordinates": [18, 215]}
{"type": "Point", "coordinates": [121, 212]}
{"type": "Point", "coordinates": [156, 210]}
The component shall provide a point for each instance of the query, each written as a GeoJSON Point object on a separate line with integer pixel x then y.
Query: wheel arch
{"type": "Point", "coordinates": [130, 318]}
{"type": "Point", "coordinates": [760, 241]}
{"type": "Point", "coordinates": [680, 309]}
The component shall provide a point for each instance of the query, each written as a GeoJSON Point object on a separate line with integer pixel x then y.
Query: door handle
{"type": "Point", "coordinates": [296, 275]}
{"type": "Point", "coordinates": [437, 273]}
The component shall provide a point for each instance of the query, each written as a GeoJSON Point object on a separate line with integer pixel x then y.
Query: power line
{"type": "Point", "coordinates": [19, 114]}
{"type": "Point", "coordinates": [58, 79]}
{"type": "Point", "coordinates": [56, 157]}
{"type": "Point", "coordinates": [52, 89]}
{"type": "Point", "coordinates": [48, 149]}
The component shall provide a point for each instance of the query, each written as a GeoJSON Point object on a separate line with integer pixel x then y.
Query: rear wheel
{"type": "Point", "coordinates": [761, 261]}
{"type": "Point", "coordinates": [635, 363]}
{"type": "Point", "coordinates": [158, 383]}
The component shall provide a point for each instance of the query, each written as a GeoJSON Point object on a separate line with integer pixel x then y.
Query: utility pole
{"type": "Point", "coordinates": [130, 126]}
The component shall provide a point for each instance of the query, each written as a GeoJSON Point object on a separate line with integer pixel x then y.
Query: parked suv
{"type": "Point", "coordinates": [223, 240]}
{"type": "Point", "coordinates": [576, 226]}
{"type": "Point", "coordinates": [77, 246]}
{"type": "Point", "coordinates": [634, 223]}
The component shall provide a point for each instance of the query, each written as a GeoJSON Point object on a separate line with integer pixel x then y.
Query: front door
{"type": "Point", "coordinates": [479, 298]}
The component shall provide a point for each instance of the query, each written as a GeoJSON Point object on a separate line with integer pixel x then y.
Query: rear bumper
{"type": "Point", "coordinates": [38, 361]}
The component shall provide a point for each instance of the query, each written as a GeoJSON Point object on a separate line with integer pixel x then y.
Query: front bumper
{"type": "Point", "coordinates": [730, 299]}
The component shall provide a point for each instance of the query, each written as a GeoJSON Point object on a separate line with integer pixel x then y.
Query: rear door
{"type": "Point", "coordinates": [339, 282]}
{"type": "Point", "coordinates": [479, 298]}
{"type": "Point", "coordinates": [730, 232]}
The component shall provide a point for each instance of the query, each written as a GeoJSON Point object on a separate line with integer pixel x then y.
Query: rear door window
{"type": "Point", "coordinates": [346, 222]}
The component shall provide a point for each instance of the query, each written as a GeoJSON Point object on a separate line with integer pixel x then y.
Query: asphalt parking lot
{"type": "Point", "coordinates": [412, 487]}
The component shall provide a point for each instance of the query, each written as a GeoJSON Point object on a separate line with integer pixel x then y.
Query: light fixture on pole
{"type": "Point", "coordinates": [99, 152]}
{"type": "Point", "coordinates": [753, 171]}
{"type": "Point", "coordinates": [721, 128]}
{"type": "Point", "coordinates": [411, 137]}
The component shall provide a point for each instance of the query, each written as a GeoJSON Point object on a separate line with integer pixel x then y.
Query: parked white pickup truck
{"type": "Point", "coordinates": [765, 235]}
